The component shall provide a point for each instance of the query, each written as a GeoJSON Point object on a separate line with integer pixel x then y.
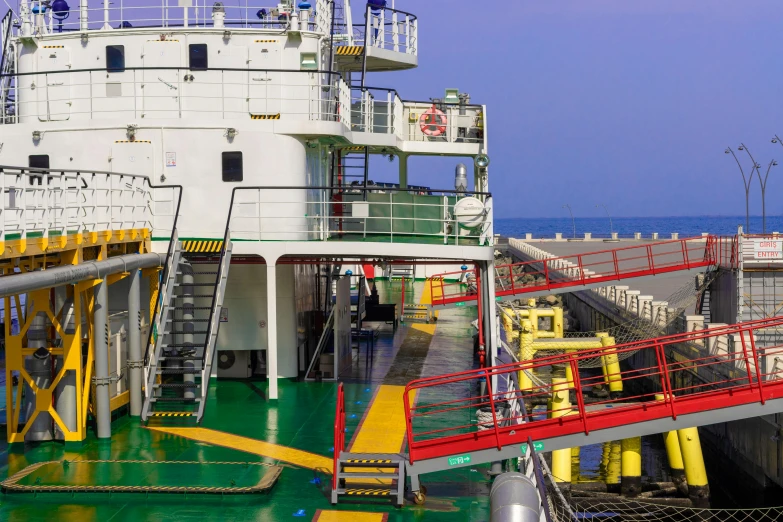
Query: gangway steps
{"type": "Point", "coordinates": [581, 271]}
{"type": "Point", "coordinates": [355, 477]}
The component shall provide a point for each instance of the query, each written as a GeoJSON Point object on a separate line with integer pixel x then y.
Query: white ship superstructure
{"type": "Point", "coordinates": [261, 123]}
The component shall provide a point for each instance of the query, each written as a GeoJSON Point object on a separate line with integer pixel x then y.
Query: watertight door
{"type": "Point", "coordinates": [161, 86]}
{"type": "Point", "coordinates": [265, 78]}
{"type": "Point", "coordinates": [54, 88]}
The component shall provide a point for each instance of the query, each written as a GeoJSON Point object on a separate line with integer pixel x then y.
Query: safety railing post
{"type": "Point", "coordinates": [491, 392]}
{"type": "Point", "coordinates": [616, 264]}
{"type": "Point", "coordinates": [747, 363]}
{"type": "Point", "coordinates": [757, 365]}
{"type": "Point", "coordinates": [581, 268]}
{"type": "Point", "coordinates": [408, 425]}
{"type": "Point", "coordinates": [663, 369]}
{"type": "Point", "coordinates": [685, 257]}
{"type": "Point", "coordinates": [580, 400]}
{"type": "Point", "coordinates": [650, 262]}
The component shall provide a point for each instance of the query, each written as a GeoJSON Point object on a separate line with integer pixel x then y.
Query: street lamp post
{"type": "Point", "coordinates": [611, 227]}
{"type": "Point", "coordinates": [763, 184]}
{"type": "Point", "coordinates": [573, 223]}
{"type": "Point", "coordinates": [746, 183]}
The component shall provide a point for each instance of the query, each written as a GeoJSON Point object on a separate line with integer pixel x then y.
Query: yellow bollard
{"type": "Point", "coordinates": [576, 466]}
{"type": "Point", "coordinates": [695, 472]}
{"type": "Point", "coordinates": [631, 467]}
{"type": "Point", "coordinates": [526, 354]}
{"type": "Point", "coordinates": [676, 465]}
{"type": "Point", "coordinates": [614, 467]}
{"type": "Point", "coordinates": [561, 459]}
{"type": "Point", "coordinates": [612, 366]}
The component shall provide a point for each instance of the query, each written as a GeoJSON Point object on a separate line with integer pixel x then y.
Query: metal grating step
{"type": "Point", "coordinates": [188, 321]}
{"type": "Point", "coordinates": [172, 414]}
{"type": "Point", "coordinates": [178, 371]}
{"type": "Point", "coordinates": [175, 399]}
{"type": "Point", "coordinates": [362, 475]}
{"type": "Point", "coordinates": [366, 492]}
{"type": "Point", "coordinates": [181, 358]}
{"type": "Point", "coordinates": [176, 385]}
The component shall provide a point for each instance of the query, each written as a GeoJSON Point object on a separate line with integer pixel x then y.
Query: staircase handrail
{"type": "Point", "coordinates": [539, 474]}
{"type": "Point", "coordinates": [339, 432]}
{"type": "Point", "coordinates": [322, 340]}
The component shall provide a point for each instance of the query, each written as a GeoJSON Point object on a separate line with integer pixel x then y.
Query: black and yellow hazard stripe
{"type": "Point", "coordinates": [353, 149]}
{"type": "Point", "coordinates": [265, 41]}
{"type": "Point", "coordinates": [203, 246]}
{"type": "Point", "coordinates": [349, 50]}
{"type": "Point", "coordinates": [172, 414]}
{"type": "Point", "coordinates": [368, 492]}
{"type": "Point", "coordinates": [53, 46]}
{"type": "Point", "coordinates": [368, 461]}
{"type": "Point", "coordinates": [132, 141]}
{"type": "Point", "coordinates": [265, 116]}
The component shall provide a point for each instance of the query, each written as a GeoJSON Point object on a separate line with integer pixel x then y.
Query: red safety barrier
{"type": "Point", "coordinates": [727, 369]}
{"type": "Point", "coordinates": [339, 431]}
{"type": "Point", "coordinates": [590, 268]}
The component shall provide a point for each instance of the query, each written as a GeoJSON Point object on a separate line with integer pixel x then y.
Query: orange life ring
{"type": "Point", "coordinates": [433, 122]}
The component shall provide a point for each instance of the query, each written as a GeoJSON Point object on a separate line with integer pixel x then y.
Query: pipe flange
{"type": "Point", "coordinates": [135, 364]}
{"type": "Point", "coordinates": [102, 381]}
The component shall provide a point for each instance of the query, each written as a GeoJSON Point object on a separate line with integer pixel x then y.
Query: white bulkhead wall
{"type": "Point", "coordinates": [82, 93]}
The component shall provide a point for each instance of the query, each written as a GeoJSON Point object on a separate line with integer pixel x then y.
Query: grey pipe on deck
{"type": "Point", "coordinates": [68, 275]}
{"type": "Point", "coordinates": [514, 498]}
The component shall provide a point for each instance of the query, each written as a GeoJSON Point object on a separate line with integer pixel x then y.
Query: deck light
{"type": "Point", "coordinates": [37, 135]}
{"type": "Point", "coordinates": [85, 37]}
{"type": "Point", "coordinates": [482, 161]}
{"type": "Point", "coordinates": [231, 133]}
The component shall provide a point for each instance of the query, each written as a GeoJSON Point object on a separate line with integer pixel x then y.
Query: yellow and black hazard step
{"type": "Point", "coordinates": [53, 46]}
{"type": "Point", "coordinates": [368, 461]}
{"type": "Point", "coordinates": [368, 492]}
{"type": "Point", "coordinates": [265, 116]}
{"type": "Point", "coordinates": [349, 50]}
{"type": "Point", "coordinates": [353, 149]}
{"type": "Point", "coordinates": [265, 41]}
{"type": "Point", "coordinates": [132, 141]}
{"type": "Point", "coordinates": [202, 246]}
{"type": "Point", "coordinates": [172, 414]}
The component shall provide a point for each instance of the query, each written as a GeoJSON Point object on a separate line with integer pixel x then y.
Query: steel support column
{"type": "Point", "coordinates": [271, 327]}
{"type": "Point", "coordinates": [101, 342]}
{"type": "Point", "coordinates": [135, 360]}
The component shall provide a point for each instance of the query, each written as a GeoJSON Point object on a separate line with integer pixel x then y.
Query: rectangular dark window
{"type": "Point", "coordinates": [232, 166]}
{"type": "Point", "coordinates": [115, 58]}
{"type": "Point", "coordinates": [37, 161]}
{"type": "Point", "coordinates": [197, 54]}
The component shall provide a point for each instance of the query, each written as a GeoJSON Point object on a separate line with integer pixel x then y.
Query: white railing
{"type": "Point", "coordinates": [389, 29]}
{"type": "Point", "coordinates": [451, 123]}
{"type": "Point", "coordinates": [355, 214]}
{"type": "Point", "coordinates": [174, 93]}
{"type": "Point", "coordinates": [163, 13]}
{"type": "Point", "coordinates": [45, 203]}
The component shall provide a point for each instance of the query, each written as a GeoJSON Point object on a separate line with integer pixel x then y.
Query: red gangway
{"type": "Point", "coordinates": [339, 433]}
{"type": "Point", "coordinates": [589, 270]}
{"type": "Point", "coordinates": [727, 369]}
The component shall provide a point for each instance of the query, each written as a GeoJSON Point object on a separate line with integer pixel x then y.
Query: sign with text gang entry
{"type": "Point", "coordinates": [767, 248]}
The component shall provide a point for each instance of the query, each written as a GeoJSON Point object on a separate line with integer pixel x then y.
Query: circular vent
{"type": "Point", "coordinates": [226, 359]}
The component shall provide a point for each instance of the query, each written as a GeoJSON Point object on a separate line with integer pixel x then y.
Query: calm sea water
{"type": "Point", "coordinates": [627, 226]}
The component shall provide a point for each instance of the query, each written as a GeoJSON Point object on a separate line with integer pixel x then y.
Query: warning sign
{"type": "Point", "coordinates": [224, 315]}
{"type": "Point", "coordinates": [171, 159]}
{"type": "Point", "coordinates": [770, 248]}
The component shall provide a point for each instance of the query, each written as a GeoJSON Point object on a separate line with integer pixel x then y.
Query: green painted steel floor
{"type": "Point", "coordinates": [302, 418]}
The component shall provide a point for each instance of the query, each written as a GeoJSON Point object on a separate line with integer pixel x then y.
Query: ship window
{"type": "Point", "coordinates": [115, 58]}
{"type": "Point", "coordinates": [37, 161]}
{"type": "Point", "coordinates": [198, 57]}
{"type": "Point", "coordinates": [232, 166]}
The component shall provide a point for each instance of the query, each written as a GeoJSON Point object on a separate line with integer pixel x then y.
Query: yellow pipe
{"type": "Point", "coordinates": [531, 302]}
{"type": "Point", "coordinates": [631, 466]}
{"type": "Point", "coordinates": [693, 462]}
{"type": "Point", "coordinates": [557, 322]}
{"type": "Point", "coordinates": [612, 366]}
{"type": "Point", "coordinates": [676, 465]}
{"type": "Point", "coordinates": [533, 316]}
{"type": "Point", "coordinates": [561, 405]}
{"type": "Point", "coordinates": [563, 344]}
{"type": "Point", "coordinates": [526, 353]}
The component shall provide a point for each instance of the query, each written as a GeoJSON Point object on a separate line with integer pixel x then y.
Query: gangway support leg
{"type": "Point", "coordinates": [134, 342]}
{"type": "Point", "coordinates": [526, 353]}
{"type": "Point", "coordinates": [561, 459]}
{"type": "Point", "coordinates": [614, 467]}
{"type": "Point", "coordinates": [695, 472]}
{"type": "Point", "coordinates": [271, 327]}
{"type": "Point", "coordinates": [101, 343]}
{"type": "Point", "coordinates": [674, 455]}
{"type": "Point", "coordinates": [631, 467]}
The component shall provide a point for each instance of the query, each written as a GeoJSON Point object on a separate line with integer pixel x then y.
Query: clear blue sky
{"type": "Point", "coordinates": [630, 103]}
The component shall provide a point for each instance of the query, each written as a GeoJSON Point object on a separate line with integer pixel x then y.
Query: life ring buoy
{"type": "Point", "coordinates": [433, 122]}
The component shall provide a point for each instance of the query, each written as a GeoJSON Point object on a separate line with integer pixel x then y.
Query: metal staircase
{"type": "Point", "coordinates": [179, 365]}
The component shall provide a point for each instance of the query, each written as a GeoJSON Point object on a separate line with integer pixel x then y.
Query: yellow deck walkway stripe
{"type": "Point", "coordinates": [349, 516]}
{"type": "Point", "coordinates": [293, 456]}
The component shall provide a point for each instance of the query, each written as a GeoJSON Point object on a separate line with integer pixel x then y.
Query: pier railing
{"type": "Point", "coordinates": [372, 214]}
{"type": "Point", "coordinates": [445, 420]}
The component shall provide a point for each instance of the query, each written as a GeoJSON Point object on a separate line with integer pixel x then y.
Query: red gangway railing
{"type": "Point", "coordinates": [339, 432]}
{"type": "Point", "coordinates": [729, 370]}
{"type": "Point", "coordinates": [591, 268]}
